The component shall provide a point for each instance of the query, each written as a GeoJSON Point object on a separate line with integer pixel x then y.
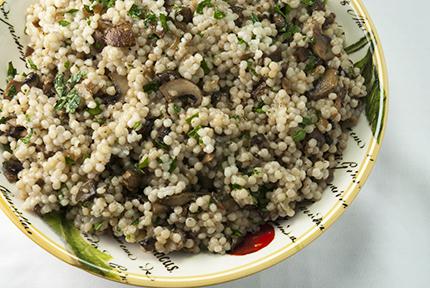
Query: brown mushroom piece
{"type": "Point", "coordinates": [276, 55]}
{"type": "Point", "coordinates": [11, 168]}
{"type": "Point", "coordinates": [322, 47]}
{"type": "Point", "coordinates": [187, 14]}
{"type": "Point", "coordinates": [32, 80]}
{"type": "Point", "coordinates": [120, 36]}
{"type": "Point", "coordinates": [165, 77]}
{"type": "Point", "coordinates": [12, 88]}
{"type": "Point", "coordinates": [218, 96]}
{"type": "Point", "coordinates": [238, 10]}
{"type": "Point", "coordinates": [179, 88]}
{"type": "Point", "coordinates": [120, 82]}
{"type": "Point", "coordinates": [146, 128]}
{"type": "Point", "coordinates": [132, 179]}
{"type": "Point", "coordinates": [278, 20]}
{"type": "Point", "coordinates": [178, 199]}
{"type": "Point", "coordinates": [158, 208]}
{"type": "Point", "coordinates": [17, 132]}
{"type": "Point", "coordinates": [258, 89]}
{"type": "Point", "coordinates": [302, 54]}
{"type": "Point", "coordinates": [208, 158]}
{"type": "Point", "coordinates": [326, 85]}
{"type": "Point", "coordinates": [86, 191]}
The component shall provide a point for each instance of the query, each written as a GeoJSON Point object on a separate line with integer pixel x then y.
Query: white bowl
{"type": "Point", "coordinates": [128, 263]}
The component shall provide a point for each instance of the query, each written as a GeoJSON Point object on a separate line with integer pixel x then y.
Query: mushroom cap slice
{"type": "Point", "coordinates": [322, 47]}
{"type": "Point", "coordinates": [326, 85]}
{"type": "Point", "coordinates": [181, 87]}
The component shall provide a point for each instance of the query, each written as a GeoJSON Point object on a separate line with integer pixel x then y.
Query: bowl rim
{"type": "Point", "coordinates": [267, 261]}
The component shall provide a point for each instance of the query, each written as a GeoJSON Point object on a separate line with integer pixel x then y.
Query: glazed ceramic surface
{"type": "Point", "coordinates": [128, 263]}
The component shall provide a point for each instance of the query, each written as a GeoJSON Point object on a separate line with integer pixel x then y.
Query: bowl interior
{"type": "Point", "coordinates": [116, 260]}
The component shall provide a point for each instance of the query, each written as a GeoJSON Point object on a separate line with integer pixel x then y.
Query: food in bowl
{"type": "Point", "coordinates": [181, 125]}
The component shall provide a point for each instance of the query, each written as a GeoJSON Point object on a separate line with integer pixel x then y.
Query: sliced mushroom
{"type": "Point", "coordinates": [158, 208]}
{"type": "Point", "coordinates": [182, 87]}
{"type": "Point", "coordinates": [133, 179]}
{"type": "Point", "coordinates": [302, 54]}
{"type": "Point", "coordinates": [17, 132]}
{"type": "Point", "coordinates": [12, 88]}
{"type": "Point", "coordinates": [318, 136]}
{"type": "Point", "coordinates": [238, 10]}
{"type": "Point", "coordinates": [178, 199]}
{"type": "Point", "coordinates": [322, 47]}
{"type": "Point", "coordinates": [276, 55]}
{"type": "Point", "coordinates": [208, 158]}
{"type": "Point", "coordinates": [32, 80]}
{"type": "Point", "coordinates": [146, 128]}
{"type": "Point", "coordinates": [218, 96]}
{"type": "Point", "coordinates": [329, 20]}
{"type": "Point", "coordinates": [259, 140]}
{"type": "Point", "coordinates": [48, 85]}
{"type": "Point", "coordinates": [187, 14]}
{"type": "Point", "coordinates": [28, 51]}
{"type": "Point", "coordinates": [278, 20]}
{"type": "Point", "coordinates": [86, 191]}
{"type": "Point", "coordinates": [120, 82]}
{"type": "Point", "coordinates": [259, 89]}
{"type": "Point", "coordinates": [225, 202]}
{"type": "Point", "coordinates": [167, 76]}
{"type": "Point", "coordinates": [11, 168]}
{"type": "Point", "coordinates": [120, 36]}
{"type": "Point", "coordinates": [326, 85]}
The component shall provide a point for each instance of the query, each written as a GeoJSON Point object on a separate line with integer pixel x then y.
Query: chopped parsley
{"type": "Point", "coordinates": [173, 165]}
{"type": "Point", "coordinates": [27, 138]}
{"type": "Point", "coordinates": [311, 64]}
{"type": "Point", "coordinates": [64, 23]}
{"type": "Point", "coordinates": [137, 125]}
{"type": "Point", "coordinates": [235, 186]}
{"type": "Point", "coordinates": [189, 119]}
{"type": "Point", "coordinates": [150, 19]}
{"type": "Point", "coordinates": [218, 14]}
{"type": "Point", "coordinates": [67, 65]}
{"type": "Point", "coordinates": [96, 110]}
{"type": "Point", "coordinates": [290, 31]}
{"type": "Point", "coordinates": [202, 5]}
{"type": "Point", "coordinates": [69, 161]}
{"type": "Point", "coordinates": [205, 66]}
{"type": "Point", "coordinates": [151, 86]}
{"type": "Point", "coordinates": [68, 97]}
{"type": "Point", "coordinates": [259, 108]}
{"type": "Point", "coordinates": [299, 135]}
{"type": "Point", "coordinates": [161, 145]}
{"type": "Point", "coordinates": [236, 233]}
{"type": "Point", "coordinates": [177, 108]}
{"type": "Point", "coordinates": [135, 12]}
{"type": "Point", "coordinates": [11, 72]}
{"type": "Point", "coordinates": [241, 41]}
{"type": "Point", "coordinates": [142, 165]}
{"type": "Point", "coordinates": [12, 91]}
{"type": "Point", "coordinates": [254, 18]}
{"type": "Point", "coordinates": [194, 133]}
{"type": "Point", "coordinates": [72, 11]}
{"type": "Point", "coordinates": [163, 22]}
{"type": "Point", "coordinates": [106, 3]}
{"type": "Point", "coordinates": [308, 2]}
{"type": "Point", "coordinates": [98, 226]}
{"type": "Point", "coordinates": [31, 64]}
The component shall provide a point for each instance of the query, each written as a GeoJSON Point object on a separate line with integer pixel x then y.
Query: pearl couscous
{"type": "Point", "coordinates": [181, 125]}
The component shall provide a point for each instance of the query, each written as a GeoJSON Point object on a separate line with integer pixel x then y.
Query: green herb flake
{"type": "Point", "coordinates": [254, 18]}
{"type": "Point", "coordinates": [190, 119]}
{"type": "Point", "coordinates": [96, 110]}
{"type": "Point", "coordinates": [136, 222]}
{"type": "Point", "coordinates": [150, 19]}
{"type": "Point", "coordinates": [69, 161]}
{"type": "Point", "coordinates": [135, 12]}
{"type": "Point", "coordinates": [137, 125]}
{"type": "Point", "coordinates": [307, 121]}
{"type": "Point", "coordinates": [236, 117]}
{"type": "Point", "coordinates": [71, 11]}
{"type": "Point", "coordinates": [177, 108]}
{"type": "Point", "coordinates": [106, 3]}
{"type": "Point", "coordinates": [308, 2]}
{"type": "Point", "coordinates": [299, 135]}
{"type": "Point", "coordinates": [98, 226]}
{"type": "Point", "coordinates": [289, 33]}
{"type": "Point", "coordinates": [161, 145]}
{"type": "Point", "coordinates": [142, 165]}
{"type": "Point", "coordinates": [26, 139]}
{"type": "Point", "coordinates": [205, 66]}
{"type": "Point", "coordinates": [11, 72]}
{"type": "Point", "coordinates": [218, 14]}
{"type": "Point", "coordinates": [163, 22]}
{"type": "Point", "coordinates": [236, 233]}
{"type": "Point", "coordinates": [67, 65]}
{"type": "Point", "coordinates": [12, 91]}
{"type": "Point", "coordinates": [259, 108]}
{"type": "Point", "coordinates": [151, 86]}
{"type": "Point", "coordinates": [64, 23]}
{"type": "Point", "coordinates": [173, 165]}
{"type": "Point", "coordinates": [68, 96]}
{"type": "Point", "coordinates": [311, 64]}
{"type": "Point", "coordinates": [235, 186]}
{"type": "Point", "coordinates": [2, 120]}
{"type": "Point", "coordinates": [241, 41]}
{"type": "Point", "coordinates": [202, 5]}
{"type": "Point", "coordinates": [194, 133]}
{"type": "Point", "coordinates": [31, 64]}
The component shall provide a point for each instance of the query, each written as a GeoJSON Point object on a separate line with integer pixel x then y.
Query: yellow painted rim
{"type": "Point", "coordinates": [269, 260]}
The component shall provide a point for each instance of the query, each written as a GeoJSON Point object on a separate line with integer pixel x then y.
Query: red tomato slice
{"type": "Point", "coordinates": [254, 242]}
